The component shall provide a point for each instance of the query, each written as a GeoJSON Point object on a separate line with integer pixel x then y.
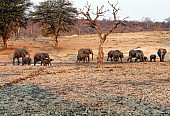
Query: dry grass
{"type": "Point", "coordinates": [127, 88]}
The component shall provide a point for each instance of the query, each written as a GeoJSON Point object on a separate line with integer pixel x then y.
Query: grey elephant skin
{"type": "Point", "coordinates": [40, 57]}
{"type": "Point", "coordinates": [26, 60]}
{"type": "Point", "coordinates": [82, 57]}
{"type": "Point", "coordinates": [115, 54]}
{"type": "Point", "coordinates": [133, 53]}
{"type": "Point", "coordinates": [161, 53]}
{"type": "Point", "coordinates": [20, 53]}
{"type": "Point", "coordinates": [86, 51]}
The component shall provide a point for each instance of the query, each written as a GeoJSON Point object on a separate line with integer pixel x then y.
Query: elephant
{"type": "Point", "coordinates": [47, 62]}
{"type": "Point", "coordinates": [83, 57]}
{"type": "Point", "coordinates": [161, 53]}
{"type": "Point", "coordinates": [145, 59]}
{"type": "Point", "coordinates": [115, 54]}
{"type": "Point", "coordinates": [40, 57]}
{"type": "Point", "coordinates": [86, 51]}
{"type": "Point", "coordinates": [153, 57]}
{"type": "Point", "coordinates": [26, 60]}
{"type": "Point", "coordinates": [20, 53]}
{"type": "Point", "coordinates": [132, 54]}
{"type": "Point", "coordinates": [140, 56]}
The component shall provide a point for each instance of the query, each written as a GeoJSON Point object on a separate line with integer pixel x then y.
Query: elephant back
{"type": "Point", "coordinates": [85, 51]}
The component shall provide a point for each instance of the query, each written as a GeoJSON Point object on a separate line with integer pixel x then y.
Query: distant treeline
{"type": "Point", "coordinates": [81, 27]}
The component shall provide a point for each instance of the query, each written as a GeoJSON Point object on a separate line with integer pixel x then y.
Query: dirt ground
{"type": "Point", "coordinates": [70, 88]}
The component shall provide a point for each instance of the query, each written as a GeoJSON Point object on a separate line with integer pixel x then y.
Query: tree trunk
{"type": "Point", "coordinates": [56, 41]}
{"type": "Point", "coordinates": [5, 43]}
{"type": "Point", "coordinates": [100, 54]}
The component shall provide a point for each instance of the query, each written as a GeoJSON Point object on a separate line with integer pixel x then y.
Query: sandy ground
{"type": "Point", "coordinates": [69, 88]}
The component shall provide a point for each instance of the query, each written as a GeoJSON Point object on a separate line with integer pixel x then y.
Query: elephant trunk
{"type": "Point", "coordinates": [161, 58]}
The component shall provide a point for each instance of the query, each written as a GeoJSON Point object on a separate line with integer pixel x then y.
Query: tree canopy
{"type": "Point", "coordinates": [55, 16]}
{"type": "Point", "coordinates": [13, 15]}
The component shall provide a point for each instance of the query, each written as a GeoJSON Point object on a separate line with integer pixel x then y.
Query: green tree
{"type": "Point", "coordinates": [55, 16]}
{"type": "Point", "coordinates": [13, 16]}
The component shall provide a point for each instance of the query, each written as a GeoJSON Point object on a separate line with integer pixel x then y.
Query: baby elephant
{"type": "Point", "coordinates": [26, 60]}
{"type": "Point", "coordinates": [82, 57]}
{"type": "Point", "coordinates": [152, 57]}
{"type": "Point", "coordinates": [145, 58]}
{"type": "Point", "coordinates": [47, 62]}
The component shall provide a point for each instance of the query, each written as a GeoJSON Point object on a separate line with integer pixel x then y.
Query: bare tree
{"type": "Point", "coordinates": [94, 24]}
{"type": "Point", "coordinates": [115, 10]}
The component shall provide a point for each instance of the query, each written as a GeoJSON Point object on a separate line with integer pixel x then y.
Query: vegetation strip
{"type": "Point", "coordinates": [30, 76]}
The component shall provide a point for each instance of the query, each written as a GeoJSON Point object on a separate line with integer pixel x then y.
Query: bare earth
{"type": "Point", "coordinates": [78, 89]}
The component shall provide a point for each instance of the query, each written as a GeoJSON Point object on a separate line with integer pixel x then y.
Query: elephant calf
{"type": "Point", "coordinates": [82, 57]}
{"type": "Point", "coordinates": [26, 60]}
{"type": "Point", "coordinates": [153, 57]}
{"type": "Point", "coordinates": [145, 59]}
{"type": "Point", "coordinates": [47, 62]}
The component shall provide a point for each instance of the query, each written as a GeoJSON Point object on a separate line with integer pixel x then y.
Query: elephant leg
{"type": "Point", "coordinates": [18, 61]}
{"type": "Point", "coordinates": [141, 60]}
{"type": "Point", "coordinates": [107, 58]}
{"type": "Point", "coordinates": [121, 59]}
{"type": "Point", "coordinates": [111, 59]}
{"type": "Point", "coordinates": [163, 58]}
{"type": "Point", "coordinates": [130, 59]}
{"type": "Point", "coordinates": [13, 61]}
{"type": "Point", "coordinates": [160, 59]}
{"type": "Point", "coordinates": [35, 61]}
{"type": "Point", "coordinates": [42, 61]}
{"type": "Point", "coordinates": [150, 60]}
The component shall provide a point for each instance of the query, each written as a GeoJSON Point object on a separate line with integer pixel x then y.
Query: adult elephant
{"type": "Point", "coordinates": [140, 56]}
{"type": "Point", "coordinates": [20, 53]}
{"type": "Point", "coordinates": [161, 53]}
{"type": "Point", "coordinates": [133, 53]}
{"type": "Point", "coordinates": [86, 51]}
{"type": "Point", "coordinates": [41, 57]}
{"type": "Point", "coordinates": [115, 54]}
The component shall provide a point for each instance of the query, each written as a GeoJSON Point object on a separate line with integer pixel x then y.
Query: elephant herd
{"type": "Point", "coordinates": [84, 55]}
{"type": "Point", "coordinates": [25, 55]}
{"type": "Point", "coordinates": [116, 55]}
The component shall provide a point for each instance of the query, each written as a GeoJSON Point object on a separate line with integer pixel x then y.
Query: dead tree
{"type": "Point", "coordinates": [114, 10]}
{"type": "Point", "coordinates": [94, 24]}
